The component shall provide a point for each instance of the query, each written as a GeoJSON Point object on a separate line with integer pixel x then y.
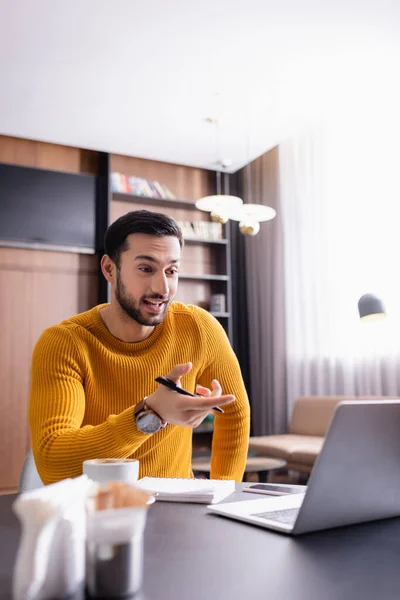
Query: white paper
{"type": "Point", "coordinates": [207, 491]}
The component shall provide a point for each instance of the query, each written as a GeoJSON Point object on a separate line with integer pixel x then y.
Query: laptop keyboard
{"type": "Point", "coordinates": [287, 516]}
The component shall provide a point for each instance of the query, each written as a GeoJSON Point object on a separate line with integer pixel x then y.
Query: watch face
{"type": "Point", "coordinates": [148, 422]}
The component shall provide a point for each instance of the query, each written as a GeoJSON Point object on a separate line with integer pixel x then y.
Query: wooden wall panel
{"type": "Point", "coordinates": [29, 153]}
{"type": "Point", "coordinates": [18, 152]}
{"type": "Point", "coordinates": [187, 183]}
{"type": "Point", "coordinates": [38, 289]}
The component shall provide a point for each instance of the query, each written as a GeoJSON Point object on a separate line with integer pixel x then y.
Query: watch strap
{"type": "Point", "coordinates": [140, 407]}
{"type": "Point", "coordinates": [143, 407]}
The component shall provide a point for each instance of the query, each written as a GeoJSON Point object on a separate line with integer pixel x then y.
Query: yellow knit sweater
{"type": "Point", "coordinates": [85, 384]}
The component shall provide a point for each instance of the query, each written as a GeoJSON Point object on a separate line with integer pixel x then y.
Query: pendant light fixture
{"type": "Point", "coordinates": [223, 207]}
{"type": "Point", "coordinates": [250, 215]}
{"type": "Point", "coordinates": [220, 206]}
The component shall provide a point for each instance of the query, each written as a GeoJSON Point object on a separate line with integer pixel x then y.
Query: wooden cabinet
{"type": "Point", "coordinates": [37, 289]}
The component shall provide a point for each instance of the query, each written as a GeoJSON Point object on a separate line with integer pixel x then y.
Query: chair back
{"type": "Point", "coordinates": [29, 478]}
{"type": "Point", "coordinates": [312, 415]}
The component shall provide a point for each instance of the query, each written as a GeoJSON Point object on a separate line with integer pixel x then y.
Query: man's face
{"type": "Point", "coordinates": [147, 277]}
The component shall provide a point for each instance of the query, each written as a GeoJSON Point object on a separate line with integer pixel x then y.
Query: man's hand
{"type": "Point", "coordinates": [178, 409]}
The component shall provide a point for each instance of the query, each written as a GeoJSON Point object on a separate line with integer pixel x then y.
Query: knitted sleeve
{"type": "Point", "coordinates": [231, 429]}
{"type": "Point", "coordinates": [57, 408]}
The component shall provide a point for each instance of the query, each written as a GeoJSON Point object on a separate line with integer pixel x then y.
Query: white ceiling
{"type": "Point", "coordinates": [140, 78]}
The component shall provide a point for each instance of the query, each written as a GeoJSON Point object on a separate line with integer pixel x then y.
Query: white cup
{"type": "Point", "coordinates": [103, 470]}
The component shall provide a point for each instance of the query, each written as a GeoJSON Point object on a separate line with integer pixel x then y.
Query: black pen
{"type": "Point", "coordinates": [172, 386]}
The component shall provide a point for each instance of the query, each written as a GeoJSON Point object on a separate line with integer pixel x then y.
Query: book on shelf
{"type": "Point", "coordinates": [153, 190]}
{"type": "Point", "coordinates": [119, 183]}
{"type": "Point", "coordinates": [160, 190]}
{"type": "Point", "coordinates": [170, 195]}
{"type": "Point", "coordinates": [204, 230]}
{"type": "Point", "coordinates": [187, 229]}
{"type": "Point", "coordinates": [139, 186]}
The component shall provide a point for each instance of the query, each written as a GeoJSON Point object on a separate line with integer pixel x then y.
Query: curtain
{"type": "Point", "coordinates": [266, 301]}
{"type": "Point", "coordinates": [340, 199]}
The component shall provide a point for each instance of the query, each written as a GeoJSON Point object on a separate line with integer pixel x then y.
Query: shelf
{"type": "Point", "coordinates": [204, 277]}
{"type": "Point", "coordinates": [123, 197]}
{"type": "Point", "coordinates": [220, 315]}
{"type": "Point", "coordinates": [223, 242]}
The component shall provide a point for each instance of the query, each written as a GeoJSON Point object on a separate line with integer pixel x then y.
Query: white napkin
{"type": "Point", "coordinates": [51, 556]}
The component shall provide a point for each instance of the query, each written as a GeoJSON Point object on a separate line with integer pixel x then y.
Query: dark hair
{"type": "Point", "coordinates": [138, 221]}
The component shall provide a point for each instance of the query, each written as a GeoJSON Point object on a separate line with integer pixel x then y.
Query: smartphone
{"type": "Point", "coordinates": [271, 489]}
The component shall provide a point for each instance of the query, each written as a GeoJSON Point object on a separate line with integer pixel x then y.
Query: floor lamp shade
{"type": "Point", "coordinates": [371, 307]}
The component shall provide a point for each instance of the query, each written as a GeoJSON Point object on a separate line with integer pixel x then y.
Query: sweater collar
{"type": "Point", "coordinates": [127, 347]}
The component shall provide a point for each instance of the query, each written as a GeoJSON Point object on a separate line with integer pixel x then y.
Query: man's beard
{"type": "Point", "coordinates": [126, 302]}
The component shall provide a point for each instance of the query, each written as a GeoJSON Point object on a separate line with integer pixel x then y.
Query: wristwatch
{"type": "Point", "coordinates": [146, 419]}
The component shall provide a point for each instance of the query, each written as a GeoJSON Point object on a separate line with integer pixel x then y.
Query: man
{"type": "Point", "coordinates": [93, 391]}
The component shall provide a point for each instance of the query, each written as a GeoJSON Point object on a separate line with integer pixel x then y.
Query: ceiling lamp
{"type": "Point", "coordinates": [220, 206]}
{"type": "Point", "coordinates": [251, 215]}
{"type": "Point", "coordinates": [223, 207]}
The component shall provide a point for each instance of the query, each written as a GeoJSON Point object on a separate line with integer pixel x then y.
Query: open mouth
{"type": "Point", "coordinates": [154, 305]}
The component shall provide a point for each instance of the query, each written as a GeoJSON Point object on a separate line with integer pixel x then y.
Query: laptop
{"type": "Point", "coordinates": [356, 477]}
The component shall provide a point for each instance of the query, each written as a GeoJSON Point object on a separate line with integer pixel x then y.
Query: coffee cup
{"type": "Point", "coordinates": [103, 470]}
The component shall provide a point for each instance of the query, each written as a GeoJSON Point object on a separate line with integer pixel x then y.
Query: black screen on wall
{"type": "Point", "coordinates": [47, 207]}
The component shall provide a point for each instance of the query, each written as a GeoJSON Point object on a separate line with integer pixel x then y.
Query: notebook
{"type": "Point", "coordinates": [204, 491]}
